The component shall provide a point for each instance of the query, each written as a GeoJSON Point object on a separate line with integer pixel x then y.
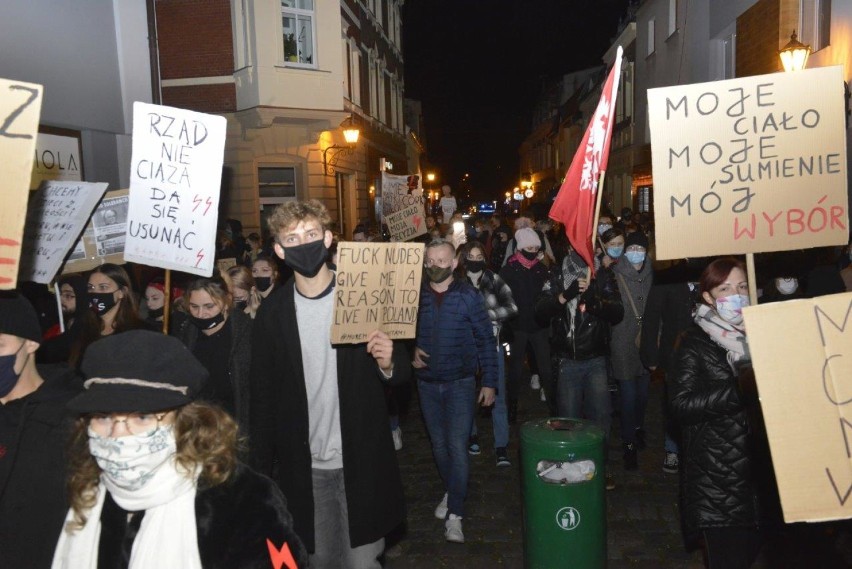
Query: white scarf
{"type": "Point", "coordinates": [725, 334]}
{"type": "Point", "coordinates": [167, 536]}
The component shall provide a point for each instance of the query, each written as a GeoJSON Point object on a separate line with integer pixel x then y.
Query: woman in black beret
{"type": "Point", "coordinates": [154, 479]}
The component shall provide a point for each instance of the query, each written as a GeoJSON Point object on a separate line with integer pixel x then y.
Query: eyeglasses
{"type": "Point", "coordinates": [135, 423]}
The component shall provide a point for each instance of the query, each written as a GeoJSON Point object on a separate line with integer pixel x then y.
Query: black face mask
{"type": "Point", "coordinates": [240, 304]}
{"type": "Point", "coordinates": [475, 266]}
{"type": "Point", "coordinates": [529, 255]}
{"type": "Point", "coordinates": [155, 313]}
{"type": "Point", "coordinates": [101, 303]}
{"type": "Point", "coordinates": [262, 283]}
{"type": "Point", "coordinates": [306, 259]}
{"type": "Point", "coordinates": [207, 323]}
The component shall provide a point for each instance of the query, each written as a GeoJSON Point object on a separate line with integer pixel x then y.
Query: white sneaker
{"type": "Point", "coordinates": [543, 396]}
{"type": "Point", "coordinates": [397, 438]}
{"type": "Point", "coordinates": [534, 382]}
{"type": "Point", "coordinates": [441, 510]}
{"type": "Point", "coordinates": [454, 533]}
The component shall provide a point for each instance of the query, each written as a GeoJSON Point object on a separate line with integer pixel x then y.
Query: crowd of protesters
{"type": "Point", "coordinates": [243, 428]}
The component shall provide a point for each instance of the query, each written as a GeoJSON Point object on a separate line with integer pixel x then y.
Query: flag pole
{"type": "Point", "coordinates": [167, 301]}
{"type": "Point", "coordinates": [598, 199]}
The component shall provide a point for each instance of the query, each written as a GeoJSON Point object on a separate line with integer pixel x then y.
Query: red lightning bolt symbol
{"type": "Point", "coordinates": [209, 203]}
{"type": "Point", "coordinates": [282, 558]}
{"type": "Point", "coordinates": [197, 201]}
{"type": "Point", "coordinates": [199, 256]}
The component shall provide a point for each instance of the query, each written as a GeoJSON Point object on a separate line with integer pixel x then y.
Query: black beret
{"type": "Point", "coordinates": [636, 238]}
{"type": "Point", "coordinates": [18, 317]}
{"type": "Point", "coordinates": [138, 370]}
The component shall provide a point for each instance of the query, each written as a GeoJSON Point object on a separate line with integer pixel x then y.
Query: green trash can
{"type": "Point", "coordinates": [563, 487]}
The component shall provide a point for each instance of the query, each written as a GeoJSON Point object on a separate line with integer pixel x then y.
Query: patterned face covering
{"type": "Point", "coordinates": [730, 308]}
{"type": "Point", "coordinates": [130, 462]}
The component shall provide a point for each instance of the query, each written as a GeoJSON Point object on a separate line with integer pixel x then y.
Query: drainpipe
{"type": "Point", "coordinates": [154, 53]}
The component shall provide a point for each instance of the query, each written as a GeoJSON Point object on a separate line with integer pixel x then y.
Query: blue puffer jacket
{"type": "Point", "coordinates": [456, 334]}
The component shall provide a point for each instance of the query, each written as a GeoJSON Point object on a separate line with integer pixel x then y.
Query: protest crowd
{"type": "Point", "coordinates": [212, 422]}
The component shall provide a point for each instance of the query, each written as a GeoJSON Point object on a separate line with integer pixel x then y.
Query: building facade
{"type": "Point", "coordinates": [289, 75]}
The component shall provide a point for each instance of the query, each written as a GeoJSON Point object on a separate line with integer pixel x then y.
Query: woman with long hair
{"type": "Point", "coordinates": [265, 273]}
{"type": "Point", "coordinates": [219, 336]}
{"type": "Point", "coordinates": [473, 266]}
{"type": "Point", "coordinates": [113, 308]}
{"type": "Point", "coordinates": [154, 479]}
{"type": "Point", "coordinates": [723, 480]}
{"type": "Point", "coordinates": [244, 289]}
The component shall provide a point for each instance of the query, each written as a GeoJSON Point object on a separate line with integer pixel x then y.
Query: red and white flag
{"type": "Point", "coordinates": [574, 205]}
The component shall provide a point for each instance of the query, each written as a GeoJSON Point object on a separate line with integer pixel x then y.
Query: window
{"type": "Point", "coordinates": [276, 184]}
{"type": "Point", "coordinates": [729, 56]}
{"type": "Point", "coordinates": [624, 101]}
{"type": "Point", "coordinates": [297, 22]}
{"type": "Point", "coordinates": [672, 17]}
{"type": "Point", "coordinates": [643, 199]}
{"type": "Point", "coordinates": [651, 40]}
{"type": "Point", "coordinates": [815, 20]}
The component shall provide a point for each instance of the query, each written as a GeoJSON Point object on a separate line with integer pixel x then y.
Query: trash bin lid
{"type": "Point", "coordinates": [562, 430]}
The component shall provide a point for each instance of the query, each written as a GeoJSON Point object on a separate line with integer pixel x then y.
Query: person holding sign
{"type": "Point", "coordinates": [74, 304]}
{"type": "Point", "coordinates": [34, 429]}
{"type": "Point", "coordinates": [154, 476]}
{"type": "Point", "coordinates": [455, 339]}
{"type": "Point", "coordinates": [318, 419]}
{"type": "Point", "coordinates": [719, 482]}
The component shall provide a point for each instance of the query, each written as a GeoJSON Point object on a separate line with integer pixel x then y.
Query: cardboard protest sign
{"type": "Point", "coordinates": [20, 107]}
{"type": "Point", "coordinates": [55, 217]}
{"type": "Point", "coordinates": [406, 223]}
{"type": "Point", "coordinates": [802, 353]}
{"type": "Point", "coordinates": [103, 239]}
{"type": "Point", "coordinates": [175, 176]}
{"type": "Point", "coordinates": [400, 192]}
{"type": "Point", "coordinates": [378, 287]}
{"type": "Point", "coordinates": [749, 165]}
{"type": "Point", "coordinates": [57, 157]}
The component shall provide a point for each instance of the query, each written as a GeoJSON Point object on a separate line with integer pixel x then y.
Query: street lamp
{"type": "Point", "coordinates": [350, 135]}
{"type": "Point", "coordinates": [794, 55]}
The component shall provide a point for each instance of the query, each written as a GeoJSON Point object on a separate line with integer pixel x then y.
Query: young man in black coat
{"type": "Point", "coordinates": [318, 419]}
{"type": "Point", "coordinates": [34, 429]}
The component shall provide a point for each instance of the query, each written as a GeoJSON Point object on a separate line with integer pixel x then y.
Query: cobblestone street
{"type": "Point", "coordinates": [643, 528]}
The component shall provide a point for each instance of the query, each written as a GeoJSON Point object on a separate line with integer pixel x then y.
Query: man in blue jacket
{"type": "Point", "coordinates": [454, 340]}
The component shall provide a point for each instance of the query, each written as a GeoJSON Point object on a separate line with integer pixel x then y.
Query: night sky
{"type": "Point", "coordinates": [478, 66]}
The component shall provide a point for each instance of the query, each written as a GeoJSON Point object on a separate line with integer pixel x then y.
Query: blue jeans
{"type": "Point", "coordinates": [499, 415]}
{"type": "Point", "coordinates": [332, 549]}
{"type": "Point", "coordinates": [447, 408]}
{"type": "Point", "coordinates": [582, 391]}
{"type": "Point", "coordinates": [634, 401]}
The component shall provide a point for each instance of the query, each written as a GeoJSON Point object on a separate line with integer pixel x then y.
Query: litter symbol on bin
{"type": "Point", "coordinates": [568, 518]}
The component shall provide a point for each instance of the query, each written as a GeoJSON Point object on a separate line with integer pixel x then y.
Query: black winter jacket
{"type": "Point", "coordinates": [279, 430]}
{"type": "Point", "coordinates": [234, 520]}
{"type": "Point", "coordinates": [239, 359]}
{"type": "Point", "coordinates": [718, 488]}
{"type": "Point", "coordinates": [34, 432]}
{"type": "Point", "coordinates": [667, 314]}
{"type": "Point", "coordinates": [597, 309]}
{"type": "Point", "coordinates": [526, 285]}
